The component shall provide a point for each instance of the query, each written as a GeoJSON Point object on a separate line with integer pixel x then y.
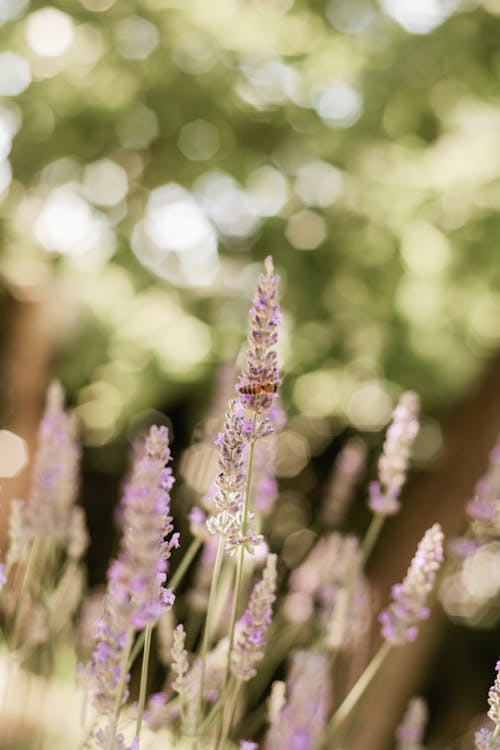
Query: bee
{"type": "Point", "coordinates": [258, 389]}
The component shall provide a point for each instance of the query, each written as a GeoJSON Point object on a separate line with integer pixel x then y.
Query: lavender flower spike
{"type": "Point", "coordinates": [399, 620]}
{"type": "Point", "coordinates": [135, 595]}
{"type": "Point", "coordinates": [48, 508]}
{"type": "Point", "coordinates": [393, 463]}
{"type": "Point", "coordinates": [142, 564]}
{"type": "Point", "coordinates": [260, 380]}
{"type": "Point", "coordinates": [486, 738]}
{"type": "Point", "coordinates": [250, 640]}
{"type": "Point", "coordinates": [231, 479]}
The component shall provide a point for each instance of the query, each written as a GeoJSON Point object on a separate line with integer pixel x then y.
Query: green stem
{"type": "Point", "coordinates": [371, 535]}
{"type": "Point", "coordinates": [241, 558]}
{"type": "Point", "coordinates": [138, 646]}
{"type": "Point", "coordinates": [33, 554]}
{"type": "Point", "coordinates": [186, 561]}
{"type": "Point", "coordinates": [223, 735]}
{"type": "Point", "coordinates": [239, 571]}
{"type": "Point", "coordinates": [356, 693]}
{"type": "Point", "coordinates": [207, 632]}
{"type": "Point", "coordinates": [176, 579]}
{"type": "Point", "coordinates": [144, 678]}
{"type": "Point", "coordinates": [121, 688]}
{"type": "Point", "coordinates": [215, 710]}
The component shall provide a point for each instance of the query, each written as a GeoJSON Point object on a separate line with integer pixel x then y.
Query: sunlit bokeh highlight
{"type": "Point", "coordinates": [15, 74]}
{"type": "Point", "coordinates": [13, 453]}
{"type": "Point", "coordinates": [49, 32]}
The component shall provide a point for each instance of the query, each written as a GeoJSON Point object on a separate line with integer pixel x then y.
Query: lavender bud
{"type": "Point", "coordinates": [141, 568]}
{"type": "Point", "coordinates": [393, 463]}
{"type": "Point", "coordinates": [250, 640]}
{"type": "Point", "coordinates": [48, 508]}
{"type": "Point", "coordinates": [346, 473]}
{"type": "Point", "coordinates": [411, 730]}
{"type": "Point", "coordinates": [260, 380]}
{"type": "Point", "coordinates": [300, 723]}
{"type": "Point", "coordinates": [180, 664]}
{"type": "Point", "coordinates": [485, 739]}
{"type": "Point", "coordinates": [399, 620]}
{"type": "Point", "coordinates": [135, 594]}
{"type": "Point", "coordinates": [494, 697]}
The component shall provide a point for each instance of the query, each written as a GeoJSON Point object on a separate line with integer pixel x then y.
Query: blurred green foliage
{"type": "Point", "coordinates": [160, 150]}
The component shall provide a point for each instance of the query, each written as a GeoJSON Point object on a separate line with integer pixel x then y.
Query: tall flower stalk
{"type": "Point", "coordinates": [48, 521]}
{"type": "Point", "coordinates": [400, 619]}
{"type": "Point", "coordinates": [136, 595]}
{"type": "Point", "coordinates": [244, 426]}
{"type": "Point", "coordinates": [261, 370]}
{"type": "Point", "coordinates": [392, 466]}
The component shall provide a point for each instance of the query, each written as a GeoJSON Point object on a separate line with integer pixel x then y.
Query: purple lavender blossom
{"type": "Point", "coordinates": [248, 745]}
{"type": "Point", "coordinates": [48, 508]}
{"type": "Point", "coordinates": [250, 640]}
{"type": "Point", "coordinates": [231, 479]}
{"type": "Point", "coordinates": [483, 509]}
{"type": "Point", "coordinates": [399, 620]}
{"type": "Point", "coordinates": [3, 577]}
{"type": "Point", "coordinates": [486, 738]}
{"type": "Point", "coordinates": [393, 463]}
{"type": "Point", "coordinates": [262, 359]}
{"type": "Point", "coordinates": [135, 595]}
{"type": "Point", "coordinates": [142, 565]}
{"type": "Point", "coordinates": [300, 722]}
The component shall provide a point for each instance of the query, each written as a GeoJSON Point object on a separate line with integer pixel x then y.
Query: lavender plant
{"type": "Point", "coordinates": [243, 611]}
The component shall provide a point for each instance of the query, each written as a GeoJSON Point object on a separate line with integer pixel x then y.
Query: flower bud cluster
{"type": "Point", "coordinates": [142, 565]}
{"type": "Point", "coordinates": [180, 664]}
{"type": "Point", "coordinates": [250, 640]}
{"type": "Point", "coordinates": [393, 463]}
{"type": "Point", "coordinates": [231, 479]}
{"type": "Point", "coordinates": [262, 359]}
{"type": "Point", "coordinates": [301, 721]}
{"type": "Point", "coordinates": [399, 620]}
{"type": "Point", "coordinates": [50, 504]}
{"type": "Point", "coordinates": [486, 738]}
{"type": "Point", "coordinates": [483, 510]}
{"type": "Point", "coordinates": [135, 594]}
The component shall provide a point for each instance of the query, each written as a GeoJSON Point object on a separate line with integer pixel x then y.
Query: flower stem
{"type": "Point", "coordinates": [224, 734]}
{"type": "Point", "coordinates": [207, 632]}
{"type": "Point", "coordinates": [371, 535]}
{"type": "Point", "coordinates": [356, 693]}
{"type": "Point", "coordinates": [186, 561]}
{"type": "Point", "coordinates": [172, 584]}
{"type": "Point", "coordinates": [34, 558]}
{"type": "Point", "coordinates": [239, 571]}
{"type": "Point", "coordinates": [144, 677]}
{"type": "Point", "coordinates": [241, 558]}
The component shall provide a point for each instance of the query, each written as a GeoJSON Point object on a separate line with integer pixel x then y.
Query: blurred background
{"type": "Point", "coordinates": [152, 153]}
